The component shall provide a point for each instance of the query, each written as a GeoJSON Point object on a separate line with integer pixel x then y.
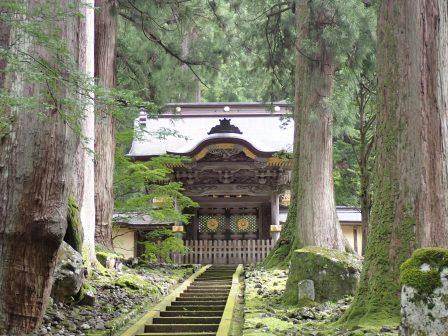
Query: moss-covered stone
{"type": "Point", "coordinates": [335, 274]}
{"type": "Point", "coordinates": [422, 270]}
{"type": "Point", "coordinates": [424, 294]}
{"type": "Point", "coordinates": [86, 295]}
{"type": "Point", "coordinates": [132, 281]}
{"type": "Point", "coordinates": [106, 257]}
{"type": "Point", "coordinates": [74, 236]}
{"type": "Point", "coordinates": [69, 273]}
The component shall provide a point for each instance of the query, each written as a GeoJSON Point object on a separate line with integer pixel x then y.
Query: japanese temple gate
{"type": "Point", "coordinates": [236, 174]}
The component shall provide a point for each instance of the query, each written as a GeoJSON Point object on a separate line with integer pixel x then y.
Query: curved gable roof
{"type": "Point", "coordinates": [264, 130]}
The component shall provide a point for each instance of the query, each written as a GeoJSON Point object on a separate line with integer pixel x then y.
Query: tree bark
{"type": "Point", "coordinates": [364, 158]}
{"type": "Point", "coordinates": [312, 219]}
{"type": "Point", "coordinates": [35, 167]}
{"type": "Point", "coordinates": [317, 222]}
{"type": "Point", "coordinates": [105, 72]}
{"type": "Point", "coordinates": [86, 176]}
{"type": "Point", "coordinates": [409, 205]}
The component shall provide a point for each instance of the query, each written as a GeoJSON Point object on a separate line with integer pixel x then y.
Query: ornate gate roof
{"type": "Point", "coordinates": [265, 128]}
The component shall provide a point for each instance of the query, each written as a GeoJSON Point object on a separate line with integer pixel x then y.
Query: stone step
{"type": "Point", "coordinates": [178, 334]}
{"type": "Point", "coordinates": [198, 303]}
{"type": "Point", "coordinates": [186, 320]}
{"type": "Point", "coordinates": [207, 285]}
{"type": "Point", "coordinates": [190, 308]}
{"type": "Point", "coordinates": [202, 298]}
{"type": "Point", "coordinates": [205, 296]}
{"type": "Point", "coordinates": [207, 290]}
{"type": "Point", "coordinates": [198, 310]}
{"type": "Point", "coordinates": [181, 327]}
{"type": "Point", "coordinates": [204, 313]}
{"type": "Point", "coordinates": [199, 294]}
{"type": "Point", "coordinates": [214, 279]}
{"type": "Point", "coordinates": [211, 283]}
{"type": "Point", "coordinates": [209, 293]}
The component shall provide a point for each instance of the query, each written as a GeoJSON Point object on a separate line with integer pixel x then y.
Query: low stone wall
{"type": "Point", "coordinates": [424, 295]}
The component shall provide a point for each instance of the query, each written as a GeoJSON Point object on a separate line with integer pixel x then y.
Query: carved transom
{"type": "Point", "coordinates": [225, 153]}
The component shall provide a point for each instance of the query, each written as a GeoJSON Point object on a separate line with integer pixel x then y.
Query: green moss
{"type": "Point", "coordinates": [425, 282]}
{"type": "Point", "coordinates": [377, 298]}
{"type": "Point", "coordinates": [85, 288]}
{"type": "Point", "coordinates": [391, 237]}
{"type": "Point", "coordinates": [281, 254]}
{"type": "Point", "coordinates": [103, 254]}
{"type": "Point", "coordinates": [135, 282]}
{"type": "Point", "coordinates": [279, 257]}
{"type": "Point", "coordinates": [306, 303]}
{"type": "Point", "coordinates": [74, 236]}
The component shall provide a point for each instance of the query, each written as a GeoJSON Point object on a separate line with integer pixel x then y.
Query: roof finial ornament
{"type": "Point", "coordinates": [224, 127]}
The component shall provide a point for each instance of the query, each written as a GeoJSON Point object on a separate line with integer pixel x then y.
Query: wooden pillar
{"type": "Point", "coordinates": [178, 228]}
{"type": "Point", "coordinates": [275, 209]}
{"type": "Point", "coordinates": [196, 224]}
{"type": "Point", "coordinates": [275, 217]}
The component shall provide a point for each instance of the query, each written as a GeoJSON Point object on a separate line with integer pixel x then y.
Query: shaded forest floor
{"type": "Point", "coordinates": [265, 314]}
{"type": "Point", "coordinates": [120, 297]}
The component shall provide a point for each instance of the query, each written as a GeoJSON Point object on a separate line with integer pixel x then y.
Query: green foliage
{"type": "Point", "coordinates": [424, 281]}
{"type": "Point", "coordinates": [161, 243]}
{"type": "Point", "coordinates": [345, 174]}
{"type": "Point", "coordinates": [39, 57]}
{"type": "Point", "coordinates": [144, 187]}
{"type": "Point", "coordinates": [170, 51]}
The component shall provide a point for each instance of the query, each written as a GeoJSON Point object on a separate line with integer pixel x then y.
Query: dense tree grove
{"type": "Point", "coordinates": [367, 82]}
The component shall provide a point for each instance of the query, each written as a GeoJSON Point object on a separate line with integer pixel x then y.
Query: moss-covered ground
{"type": "Point", "coordinates": [266, 314]}
{"type": "Point", "coordinates": [119, 299]}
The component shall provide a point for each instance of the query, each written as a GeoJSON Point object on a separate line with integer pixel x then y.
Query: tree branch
{"type": "Point", "coordinates": [154, 38]}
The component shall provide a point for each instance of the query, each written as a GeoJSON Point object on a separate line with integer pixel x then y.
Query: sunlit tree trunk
{"type": "Point", "coordinates": [410, 192]}
{"type": "Point", "coordinates": [105, 56]}
{"type": "Point", "coordinates": [86, 176]}
{"type": "Point", "coordinates": [35, 170]}
{"type": "Point", "coordinates": [317, 223]}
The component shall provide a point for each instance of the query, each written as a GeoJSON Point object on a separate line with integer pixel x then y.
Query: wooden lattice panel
{"type": "Point", "coordinates": [211, 223]}
{"type": "Point", "coordinates": [243, 223]}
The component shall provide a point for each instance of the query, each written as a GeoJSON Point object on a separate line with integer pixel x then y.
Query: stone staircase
{"type": "Point", "coordinates": [197, 310]}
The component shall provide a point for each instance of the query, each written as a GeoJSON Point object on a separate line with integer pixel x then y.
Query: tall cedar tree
{"type": "Point", "coordinates": [35, 170]}
{"type": "Point", "coordinates": [410, 177]}
{"type": "Point", "coordinates": [316, 219]}
{"type": "Point", "coordinates": [105, 72]}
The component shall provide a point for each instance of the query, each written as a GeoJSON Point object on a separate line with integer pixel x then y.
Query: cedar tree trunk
{"type": "Point", "coordinates": [35, 167]}
{"type": "Point", "coordinates": [317, 223]}
{"type": "Point", "coordinates": [105, 55]}
{"type": "Point", "coordinates": [409, 208]}
{"type": "Point", "coordinates": [86, 176]}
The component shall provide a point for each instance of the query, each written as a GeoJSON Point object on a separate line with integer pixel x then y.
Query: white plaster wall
{"type": "Point", "coordinates": [124, 242]}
